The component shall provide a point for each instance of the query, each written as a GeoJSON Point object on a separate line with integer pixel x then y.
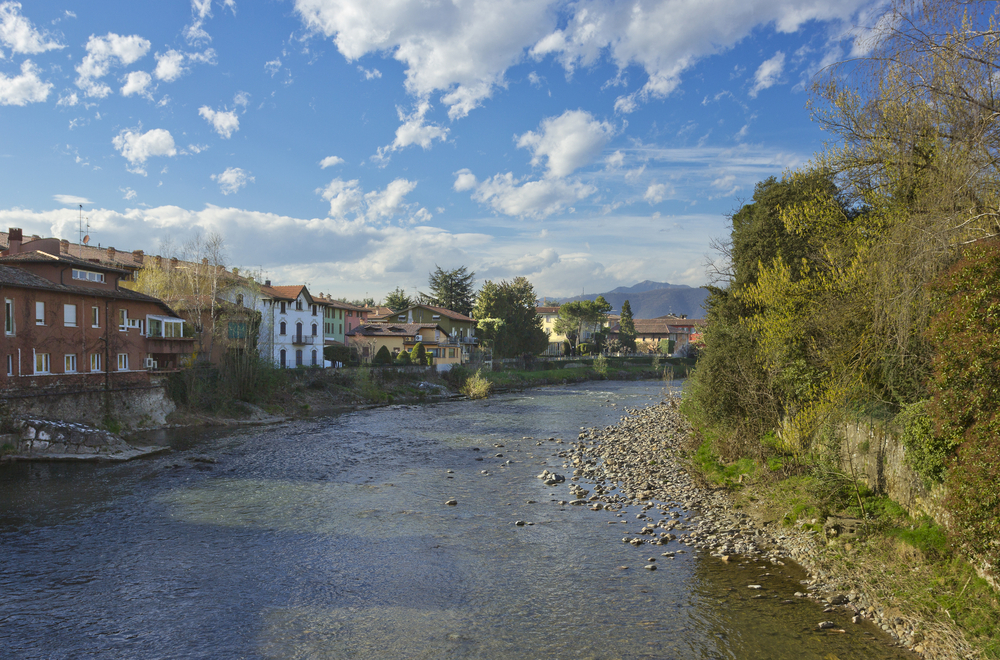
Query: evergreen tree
{"type": "Point", "coordinates": [383, 356]}
{"type": "Point", "coordinates": [398, 300]}
{"type": "Point", "coordinates": [626, 328]}
{"type": "Point", "coordinates": [418, 355]}
{"type": "Point", "coordinates": [451, 289]}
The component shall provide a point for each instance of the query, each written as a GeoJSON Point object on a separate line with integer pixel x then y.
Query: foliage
{"type": "Point", "coordinates": [580, 316]}
{"type": "Point", "coordinates": [476, 386]}
{"type": "Point", "coordinates": [926, 452]}
{"type": "Point", "coordinates": [601, 365]}
{"type": "Point", "coordinates": [383, 356]}
{"type": "Point", "coordinates": [397, 300]}
{"type": "Point", "coordinates": [583, 349]}
{"type": "Point", "coordinates": [418, 354]}
{"type": "Point", "coordinates": [519, 331]}
{"type": "Point", "coordinates": [403, 359]}
{"type": "Point", "coordinates": [8, 417]}
{"type": "Point", "coordinates": [336, 354]}
{"type": "Point", "coordinates": [966, 395]}
{"type": "Point", "coordinates": [626, 328]}
{"type": "Point", "coordinates": [451, 289]}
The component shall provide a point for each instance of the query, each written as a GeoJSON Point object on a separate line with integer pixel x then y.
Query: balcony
{"type": "Point", "coordinates": [303, 339]}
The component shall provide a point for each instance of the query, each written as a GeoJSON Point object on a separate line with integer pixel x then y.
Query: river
{"type": "Point", "coordinates": [330, 538]}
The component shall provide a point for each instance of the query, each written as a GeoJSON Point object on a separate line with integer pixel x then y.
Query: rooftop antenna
{"type": "Point", "coordinates": [84, 239]}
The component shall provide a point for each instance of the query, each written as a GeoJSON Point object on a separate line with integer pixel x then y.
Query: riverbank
{"type": "Point", "coordinates": [644, 458]}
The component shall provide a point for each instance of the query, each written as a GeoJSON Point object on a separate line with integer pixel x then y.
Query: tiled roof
{"type": "Point", "coordinates": [447, 312]}
{"type": "Point", "coordinates": [547, 310]}
{"type": "Point", "coordinates": [392, 329]}
{"type": "Point", "coordinates": [339, 304]}
{"type": "Point", "coordinates": [44, 257]}
{"type": "Point", "coordinates": [291, 292]}
{"type": "Point", "coordinates": [274, 293]}
{"type": "Point", "coordinates": [11, 276]}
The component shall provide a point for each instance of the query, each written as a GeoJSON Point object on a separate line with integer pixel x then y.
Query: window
{"type": "Point", "coordinates": [95, 317]}
{"type": "Point", "coordinates": [350, 313]}
{"type": "Point", "coordinates": [314, 358]}
{"type": "Point", "coordinates": [282, 307]}
{"type": "Point", "coordinates": [314, 329]}
{"type": "Point", "coordinates": [123, 362]}
{"type": "Point", "coordinates": [341, 326]}
{"type": "Point", "coordinates": [436, 317]}
{"type": "Point", "coordinates": [87, 276]}
{"type": "Point", "coordinates": [402, 317]}
{"type": "Point", "coordinates": [298, 305]}
{"type": "Point", "coordinates": [8, 316]}
{"type": "Point", "coordinates": [298, 357]}
{"type": "Point", "coordinates": [237, 330]}
{"type": "Point", "coordinates": [69, 316]}
{"type": "Point", "coordinates": [69, 364]}
{"type": "Point", "coordinates": [282, 328]}
{"type": "Point", "coordinates": [10, 365]}
{"type": "Point", "coordinates": [95, 361]}
{"type": "Point", "coordinates": [298, 329]}
{"type": "Point", "coordinates": [282, 360]}
{"type": "Point", "coordinates": [42, 363]}
{"type": "Point", "coordinates": [39, 313]}
{"type": "Point", "coordinates": [123, 320]}
{"type": "Point", "coordinates": [451, 352]}
{"type": "Point", "coordinates": [314, 310]}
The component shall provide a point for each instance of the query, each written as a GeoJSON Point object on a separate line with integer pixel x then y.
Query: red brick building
{"type": "Point", "coordinates": [67, 320]}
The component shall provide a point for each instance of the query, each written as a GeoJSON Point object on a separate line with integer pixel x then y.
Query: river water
{"type": "Point", "coordinates": [330, 538]}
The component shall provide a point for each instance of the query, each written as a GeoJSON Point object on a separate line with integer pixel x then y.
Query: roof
{"type": "Point", "coordinates": [19, 277]}
{"type": "Point", "coordinates": [291, 292]}
{"type": "Point", "coordinates": [454, 316]}
{"type": "Point", "coordinates": [393, 329]}
{"type": "Point", "coordinates": [130, 261]}
{"type": "Point", "coordinates": [36, 256]}
{"type": "Point", "coordinates": [547, 310]}
{"type": "Point", "coordinates": [339, 304]}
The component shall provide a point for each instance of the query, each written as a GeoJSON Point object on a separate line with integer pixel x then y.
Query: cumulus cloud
{"type": "Point", "coordinates": [224, 123]}
{"type": "Point", "coordinates": [18, 34]}
{"type": "Point", "coordinates": [169, 65]}
{"type": "Point", "coordinates": [464, 180]}
{"type": "Point", "coordinates": [768, 74]}
{"type": "Point", "coordinates": [103, 53]}
{"type": "Point", "coordinates": [232, 180]}
{"type": "Point", "coordinates": [536, 199]}
{"type": "Point", "coordinates": [567, 142]}
{"type": "Point", "coordinates": [657, 192]}
{"type": "Point", "coordinates": [137, 147]}
{"type": "Point", "coordinates": [68, 100]}
{"type": "Point", "coordinates": [463, 50]}
{"type": "Point", "coordinates": [330, 161]}
{"type": "Point", "coordinates": [348, 199]}
{"type": "Point", "coordinates": [414, 130]}
{"type": "Point", "coordinates": [25, 88]}
{"type": "Point", "coordinates": [137, 82]}
{"type": "Point", "coordinates": [201, 11]}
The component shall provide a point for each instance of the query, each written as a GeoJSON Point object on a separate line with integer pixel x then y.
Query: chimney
{"type": "Point", "coordinates": [267, 282]}
{"type": "Point", "coordinates": [137, 257]}
{"type": "Point", "coordinates": [173, 262]}
{"type": "Point", "coordinates": [111, 254]}
{"type": "Point", "coordinates": [64, 246]}
{"type": "Point", "coordinates": [14, 237]}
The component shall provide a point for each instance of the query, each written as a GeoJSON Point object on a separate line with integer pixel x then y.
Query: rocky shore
{"type": "Point", "coordinates": [637, 463]}
{"type": "Point", "coordinates": [40, 439]}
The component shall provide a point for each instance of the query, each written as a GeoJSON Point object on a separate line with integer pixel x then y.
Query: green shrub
{"type": "Point", "coordinates": [382, 357]}
{"type": "Point", "coordinates": [418, 355]}
{"type": "Point", "coordinates": [601, 365]}
{"type": "Point", "coordinates": [477, 386]}
{"type": "Point", "coordinates": [402, 360]}
{"type": "Point", "coordinates": [338, 354]}
{"type": "Point", "coordinates": [583, 348]}
{"type": "Point", "coordinates": [926, 452]}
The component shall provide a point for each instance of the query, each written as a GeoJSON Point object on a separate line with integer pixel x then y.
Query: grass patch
{"type": "Point", "coordinates": [729, 475]}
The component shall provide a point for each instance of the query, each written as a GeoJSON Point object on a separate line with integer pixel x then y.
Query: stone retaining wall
{"type": "Point", "coordinates": [53, 440]}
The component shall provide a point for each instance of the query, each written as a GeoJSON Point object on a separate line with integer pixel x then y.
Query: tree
{"type": "Point", "coordinates": [383, 356]}
{"type": "Point", "coordinates": [451, 289]}
{"type": "Point", "coordinates": [626, 328]}
{"type": "Point", "coordinates": [418, 354]}
{"type": "Point", "coordinates": [519, 331]}
{"type": "Point", "coordinates": [578, 317]}
{"type": "Point", "coordinates": [398, 300]}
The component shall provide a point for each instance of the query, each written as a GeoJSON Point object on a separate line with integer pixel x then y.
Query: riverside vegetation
{"type": "Point", "coordinates": [868, 284]}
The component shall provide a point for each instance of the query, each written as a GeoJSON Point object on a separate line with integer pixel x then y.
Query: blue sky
{"type": "Point", "coordinates": [355, 144]}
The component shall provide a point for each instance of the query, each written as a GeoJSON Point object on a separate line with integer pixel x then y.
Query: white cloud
{"type": "Point", "coordinates": [232, 180]}
{"type": "Point", "coordinates": [330, 161]}
{"type": "Point", "coordinates": [71, 200]}
{"type": "Point", "coordinates": [201, 10]}
{"type": "Point", "coordinates": [273, 66]}
{"type": "Point", "coordinates": [25, 88]}
{"type": "Point", "coordinates": [103, 53]}
{"type": "Point", "coordinates": [128, 193]}
{"type": "Point", "coordinates": [137, 147]}
{"type": "Point", "coordinates": [241, 99]}
{"type": "Point", "coordinates": [224, 123]}
{"type": "Point", "coordinates": [69, 100]}
{"type": "Point", "coordinates": [462, 50]}
{"type": "Point", "coordinates": [536, 199]}
{"type": "Point", "coordinates": [370, 74]}
{"type": "Point", "coordinates": [347, 198]}
{"type": "Point", "coordinates": [657, 192]}
{"type": "Point", "coordinates": [567, 142]}
{"type": "Point", "coordinates": [768, 74]}
{"type": "Point", "coordinates": [464, 180]}
{"type": "Point", "coordinates": [414, 130]}
{"type": "Point", "coordinates": [18, 34]}
{"type": "Point", "coordinates": [169, 66]}
{"type": "Point", "coordinates": [137, 82]}
{"type": "Point", "coordinates": [615, 160]}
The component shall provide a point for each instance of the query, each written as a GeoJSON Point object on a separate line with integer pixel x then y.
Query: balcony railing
{"type": "Point", "coordinates": [303, 339]}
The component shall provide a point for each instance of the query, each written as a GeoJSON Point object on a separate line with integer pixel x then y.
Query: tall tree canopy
{"type": "Point", "coordinates": [451, 289]}
{"type": "Point", "coordinates": [519, 330]}
{"type": "Point", "coordinates": [580, 316]}
{"type": "Point", "coordinates": [626, 328]}
{"type": "Point", "coordinates": [397, 300]}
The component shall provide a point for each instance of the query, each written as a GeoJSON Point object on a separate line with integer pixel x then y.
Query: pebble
{"type": "Point", "coordinates": [451, 502]}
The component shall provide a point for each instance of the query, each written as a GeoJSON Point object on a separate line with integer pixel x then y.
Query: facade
{"type": "Point", "coordinates": [550, 314]}
{"type": "Point", "coordinates": [291, 326]}
{"type": "Point", "coordinates": [649, 332]}
{"type": "Point", "coordinates": [339, 318]}
{"type": "Point", "coordinates": [461, 329]}
{"type": "Point", "coordinates": [397, 337]}
{"type": "Point", "coordinates": [67, 320]}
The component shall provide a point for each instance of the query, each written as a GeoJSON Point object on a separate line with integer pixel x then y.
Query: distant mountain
{"type": "Point", "coordinates": [652, 299]}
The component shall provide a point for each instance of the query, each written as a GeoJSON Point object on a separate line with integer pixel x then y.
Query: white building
{"type": "Point", "coordinates": [291, 329]}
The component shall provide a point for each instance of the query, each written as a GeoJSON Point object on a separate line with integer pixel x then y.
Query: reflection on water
{"type": "Point", "coordinates": [331, 539]}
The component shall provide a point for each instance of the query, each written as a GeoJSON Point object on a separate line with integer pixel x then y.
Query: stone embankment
{"type": "Point", "coordinates": [41, 439]}
{"type": "Point", "coordinates": [637, 463]}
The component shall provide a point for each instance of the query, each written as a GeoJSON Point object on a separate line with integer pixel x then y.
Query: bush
{"type": "Point", "coordinates": [336, 354]}
{"type": "Point", "coordinates": [926, 452]}
{"type": "Point", "coordinates": [383, 357]}
{"type": "Point", "coordinates": [601, 365]}
{"type": "Point", "coordinates": [583, 349]}
{"type": "Point", "coordinates": [477, 386]}
{"type": "Point", "coordinates": [402, 360]}
{"type": "Point", "coordinates": [418, 355]}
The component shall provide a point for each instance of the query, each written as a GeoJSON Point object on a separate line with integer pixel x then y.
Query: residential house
{"type": "Point", "coordinates": [461, 329]}
{"type": "Point", "coordinates": [649, 332]}
{"type": "Point", "coordinates": [550, 314]}
{"type": "Point", "coordinates": [397, 337]}
{"type": "Point", "coordinates": [291, 326]}
{"type": "Point", "coordinates": [339, 318]}
{"type": "Point", "coordinates": [67, 320]}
